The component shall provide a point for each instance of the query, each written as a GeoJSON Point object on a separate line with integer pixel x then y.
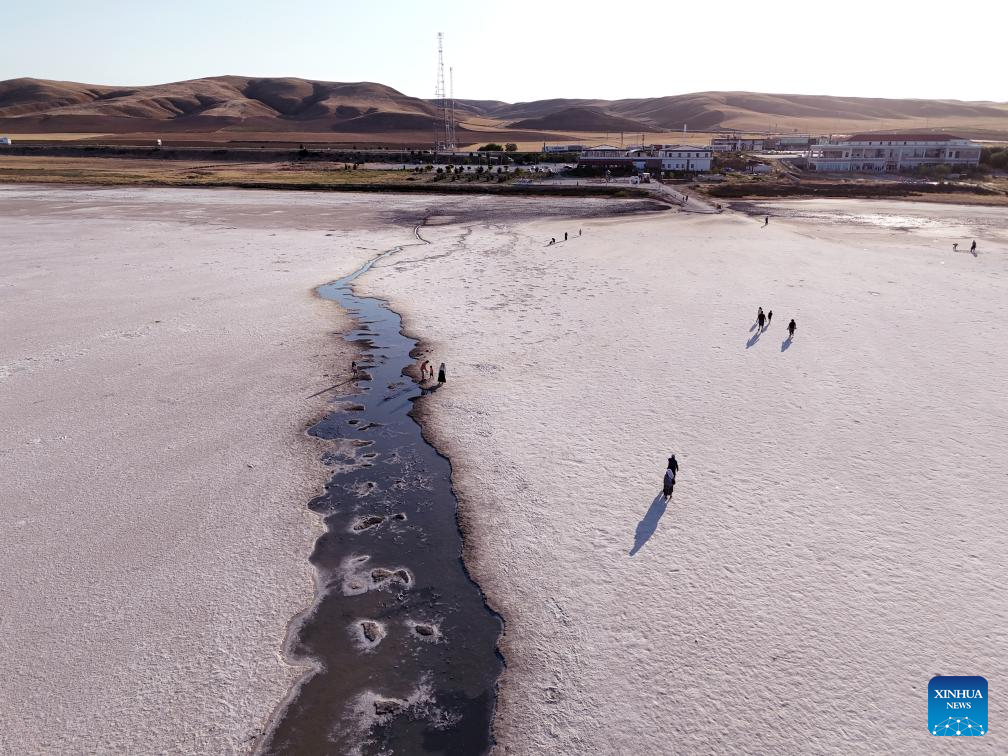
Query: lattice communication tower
{"type": "Point", "coordinates": [444, 132]}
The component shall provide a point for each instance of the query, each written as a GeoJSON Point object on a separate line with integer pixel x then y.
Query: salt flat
{"type": "Point", "coordinates": [158, 349]}
{"type": "Point", "coordinates": [837, 535]}
{"type": "Point", "coordinates": [161, 353]}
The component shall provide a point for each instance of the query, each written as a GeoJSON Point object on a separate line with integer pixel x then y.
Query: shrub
{"type": "Point", "coordinates": [995, 157]}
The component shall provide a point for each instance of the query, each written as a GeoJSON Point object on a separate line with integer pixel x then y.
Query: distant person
{"type": "Point", "coordinates": [791, 327]}
{"type": "Point", "coordinates": [955, 247]}
{"type": "Point", "coordinates": [441, 379]}
{"type": "Point", "coordinates": [423, 370]}
{"type": "Point", "coordinates": [579, 232]}
{"type": "Point", "coordinates": [354, 368]}
{"type": "Point", "coordinates": [760, 318]}
{"type": "Point", "coordinates": [766, 221]}
{"type": "Point", "coordinates": [973, 248]}
{"type": "Point", "coordinates": [769, 317]}
{"type": "Point", "coordinates": [565, 236]}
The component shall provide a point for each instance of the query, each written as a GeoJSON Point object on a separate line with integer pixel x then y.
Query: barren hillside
{"type": "Point", "coordinates": [581, 118]}
{"type": "Point", "coordinates": [703, 111]}
{"type": "Point", "coordinates": [228, 104]}
{"type": "Point", "coordinates": [225, 102]}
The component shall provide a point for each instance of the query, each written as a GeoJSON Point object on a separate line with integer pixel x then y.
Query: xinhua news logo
{"type": "Point", "coordinates": [957, 706]}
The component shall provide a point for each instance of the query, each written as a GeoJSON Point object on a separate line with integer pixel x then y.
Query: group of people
{"type": "Point", "coordinates": [427, 372]}
{"type": "Point", "coordinates": [955, 247]}
{"type": "Point", "coordinates": [763, 321]}
{"type": "Point", "coordinates": [554, 241]}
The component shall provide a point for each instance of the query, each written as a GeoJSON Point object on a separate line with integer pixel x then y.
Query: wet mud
{"type": "Point", "coordinates": [404, 645]}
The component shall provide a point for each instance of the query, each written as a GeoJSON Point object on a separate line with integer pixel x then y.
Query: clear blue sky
{"type": "Point", "coordinates": [523, 50]}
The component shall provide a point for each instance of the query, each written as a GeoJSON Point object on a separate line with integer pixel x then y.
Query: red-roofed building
{"type": "Point", "coordinates": [889, 153]}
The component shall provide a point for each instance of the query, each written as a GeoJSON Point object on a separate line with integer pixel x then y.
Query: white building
{"type": "Point", "coordinates": [563, 147]}
{"type": "Point", "coordinates": [6, 141]}
{"type": "Point", "coordinates": [654, 158]}
{"type": "Point", "coordinates": [684, 157]}
{"type": "Point", "coordinates": [602, 151]}
{"type": "Point", "coordinates": [889, 153]}
{"type": "Point", "coordinates": [737, 144]}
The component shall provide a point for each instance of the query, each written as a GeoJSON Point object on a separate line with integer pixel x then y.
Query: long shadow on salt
{"type": "Point", "coordinates": [647, 526]}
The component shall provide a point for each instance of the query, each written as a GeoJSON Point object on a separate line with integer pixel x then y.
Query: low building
{"type": "Point", "coordinates": [890, 153]}
{"type": "Point", "coordinates": [656, 158]}
{"type": "Point", "coordinates": [6, 141]}
{"type": "Point", "coordinates": [684, 157]}
{"type": "Point", "coordinates": [736, 144]}
{"type": "Point", "coordinates": [789, 142]}
{"type": "Point", "coordinates": [563, 148]}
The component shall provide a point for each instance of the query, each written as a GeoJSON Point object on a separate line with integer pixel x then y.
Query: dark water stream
{"type": "Point", "coordinates": [405, 643]}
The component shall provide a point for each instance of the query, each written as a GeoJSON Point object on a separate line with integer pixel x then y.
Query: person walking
{"type": "Point", "coordinates": [579, 232]}
{"type": "Point", "coordinates": [791, 327]}
{"type": "Point", "coordinates": [441, 374]}
{"type": "Point", "coordinates": [670, 475]}
{"type": "Point", "coordinates": [353, 368]}
{"type": "Point", "coordinates": [973, 248]}
{"type": "Point", "coordinates": [766, 221]}
{"type": "Point", "coordinates": [955, 246]}
{"type": "Point", "coordinates": [565, 236]}
{"type": "Point", "coordinates": [769, 317]}
{"type": "Point", "coordinates": [760, 318]}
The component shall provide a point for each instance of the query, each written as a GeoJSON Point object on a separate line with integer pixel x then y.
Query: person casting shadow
{"type": "Point", "coordinates": [647, 526]}
{"type": "Point", "coordinates": [670, 473]}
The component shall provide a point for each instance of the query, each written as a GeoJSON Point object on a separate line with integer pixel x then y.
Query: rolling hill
{"type": "Point", "coordinates": [224, 102]}
{"type": "Point", "coordinates": [703, 111]}
{"type": "Point", "coordinates": [581, 118]}
{"type": "Point", "coordinates": [229, 106]}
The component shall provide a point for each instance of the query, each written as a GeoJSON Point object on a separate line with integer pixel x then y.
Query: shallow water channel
{"type": "Point", "coordinates": [405, 643]}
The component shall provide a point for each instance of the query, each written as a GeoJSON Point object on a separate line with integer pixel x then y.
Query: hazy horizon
{"type": "Point", "coordinates": [531, 53]}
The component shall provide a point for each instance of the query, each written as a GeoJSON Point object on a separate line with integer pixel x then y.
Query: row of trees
{"type": "Point", "coordinates": [494, 147]}
{"type": "Point", "coordinates": [995, 157]}
{"type": "Point", "coordinates": [459, 169]}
